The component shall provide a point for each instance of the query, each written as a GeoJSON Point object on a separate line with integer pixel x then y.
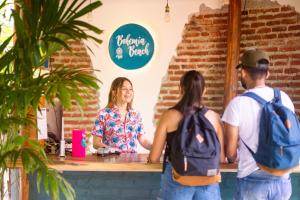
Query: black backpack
{"type": "Point", "coordinates": [195, 149]}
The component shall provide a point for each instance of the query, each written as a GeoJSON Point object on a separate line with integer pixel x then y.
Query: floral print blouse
{"type": "Point", "coordinates": [116, 133]}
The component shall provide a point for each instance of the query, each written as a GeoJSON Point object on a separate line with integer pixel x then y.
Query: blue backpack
{"type": "Point", "coordinates": [279, 136]}
{"type": "Point", "coordinates": [195, 149]}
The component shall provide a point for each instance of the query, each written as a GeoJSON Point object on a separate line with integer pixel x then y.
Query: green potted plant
{"type": "Point", "coordinates": [41, 28]}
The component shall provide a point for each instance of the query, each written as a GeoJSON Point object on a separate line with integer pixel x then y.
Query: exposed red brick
{"type": "Point", "coordinates": [215, 15]}
{"type": "Point", "coordinates": [180, 48]}
{"type": "Point", "coordinates": [220, 21]}
{"type": "Point", "coordinates": [215, 28]}
{"type": "Point", "coordinates": [244, 26]}
{"type": "Point", "coordinates": [267, 17]}
{"type": "Point", "coordinates": [283, 63]}
{"type": "Point", "coordinates": [257, 24]}
{"type": "Point", "coordinates": [247, 18]}
{"type": "Point", "coordinates": [294, 27]}
{"type": "Point", "coordinates": [261, 43]}
{"type": "Point", "coordinates": [264, 30]}
{"type": "Point", "coordinates": [285, 35]}
{"type": "Point", "coordinates": [275, 30]}
{"type": "Point", "coordinates": [174, 67]}
{"type": "Point", "coordinates": [279, 29]}
{"type": "Point", "coordinates": [273, 22]}
{"type": "Point", "coordinates": [286, 49]}
{"type": "Point", "coordinates": [258, 11]}
{"type": "Point", "coordinates": [289, 21]}
{"type": "Point", "coordinates": [295, 62]}
{"type": "Point", "coordinates": [248, 31]}
{"type": "Point", "coordinates": [186, 41]}
{"type": "Point", "coordinates": [289, 14]}
{"type": "Point", "coordinates": [77, 58]}
{"type": "Point", "coordinates": [286, 8]}
{"type": "Point", "coordinates": [221, 45]}
{"type": "Point", "coordinates": [167, 85]}
{"type": "Point", "coordinates": [270, 49]}
{"type": "Point", "coordinates": [185, 53]}
{"type": "Point", "coordinates": [191, 34]}
{"type": "Point", "coordinates": [279, 56]}
{"type": "Point", "coordinates": [201, 53]}
{"type": "Point", "coordinates": [180, 60]}
{"type": "Point", "coordinates": [197, 60]}
{"type": "Point", "coordinates": [295, 55]}
{"type": "Point", "coordinates": [252, 37]}
{"type": "Point", "coordinates": [269, 36]}
{"type": "Point", "coordinates": [297, 34]}
{"type": "Point", "coordinates": [292, 70]}
{"type": "Point", "coordinates": [189, 67]}
{"type": "Point", "coordinates": [215, 34]}
{"type": "Point", "coordinates": [205, 22]}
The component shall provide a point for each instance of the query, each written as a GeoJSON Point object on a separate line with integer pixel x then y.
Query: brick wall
{"type": "Point", "coordinates": [78, 58]}
{"type": "Point", "coordinates": [271, 27]}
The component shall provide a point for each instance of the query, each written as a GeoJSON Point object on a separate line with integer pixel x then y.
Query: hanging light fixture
{"type": "Point", "coordinates": [167, 12]}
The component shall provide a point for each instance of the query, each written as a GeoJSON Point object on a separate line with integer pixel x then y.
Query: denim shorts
{"type": "Point", "coordinates": [263, 186]}
{"type": "Point", "coordinates": [171, 190]}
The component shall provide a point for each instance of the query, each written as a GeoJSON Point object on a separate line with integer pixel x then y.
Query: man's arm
{"type": "Point", "coordinates": [231, 141]}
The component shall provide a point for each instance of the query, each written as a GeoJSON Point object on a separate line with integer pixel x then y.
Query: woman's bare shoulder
{"type": "Point", "coordinates": [213, 116]}
{"type": "Point", "coordinates": [172, 114]}
{"type": "Point", "coordinates": [213, 113]}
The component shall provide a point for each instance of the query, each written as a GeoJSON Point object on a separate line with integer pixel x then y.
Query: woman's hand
{"type": "Point", "coordinates": [97, 142]}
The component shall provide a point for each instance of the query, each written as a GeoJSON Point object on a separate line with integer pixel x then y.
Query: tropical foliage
{"type": "Point", "coordinates": [41, 28]}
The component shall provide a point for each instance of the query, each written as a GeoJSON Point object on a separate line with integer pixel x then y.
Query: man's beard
{"type": "Point", "coordinates": [243, 83]}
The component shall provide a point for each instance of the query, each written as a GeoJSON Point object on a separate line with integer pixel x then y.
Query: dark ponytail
{"type": "Point", "coordinates": [192, 86]}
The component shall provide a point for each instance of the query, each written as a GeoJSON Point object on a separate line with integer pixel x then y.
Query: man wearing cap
{"type": "Point", "coordinates": [242, 117]}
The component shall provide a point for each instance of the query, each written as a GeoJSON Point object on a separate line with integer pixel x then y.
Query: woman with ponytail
{"type": "Point", "coordinates": [192, 87]}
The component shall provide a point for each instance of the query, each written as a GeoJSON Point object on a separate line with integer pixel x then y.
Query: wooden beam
{"type": "Point", "coordinates": [233, 50]}
{"type": "Point", "coordinates": [24, 192]}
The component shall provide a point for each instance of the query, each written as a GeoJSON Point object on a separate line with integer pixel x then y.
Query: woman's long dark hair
{"type": "Point", "coordinates": [192, 86]}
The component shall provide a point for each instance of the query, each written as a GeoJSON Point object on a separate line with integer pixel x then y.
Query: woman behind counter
{"type": "Point", "coordinates": [118, 125]}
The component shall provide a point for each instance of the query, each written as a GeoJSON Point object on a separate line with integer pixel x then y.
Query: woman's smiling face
{"type": "Point", "coordinates": [125, 93]}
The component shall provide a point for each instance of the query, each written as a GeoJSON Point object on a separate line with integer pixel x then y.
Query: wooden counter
{"type": "Point", "coordinates": [125, 162]}
{"type": "Point", "coordinates": [128, 175]}
{"type": "Point", "coordinates": [130, 162]}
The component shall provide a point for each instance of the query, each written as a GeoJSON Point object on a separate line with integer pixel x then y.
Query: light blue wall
{"type": "Point", "coordinates": [132, 186]}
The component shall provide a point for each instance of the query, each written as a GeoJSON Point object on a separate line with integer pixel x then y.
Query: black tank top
{"type": "Point", "coordinates": [170, 137]}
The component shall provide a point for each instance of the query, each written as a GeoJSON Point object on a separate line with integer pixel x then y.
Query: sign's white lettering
{"type": "Point", "coordinates": [136, 46]}
{"type": "Point", "coordinates": [138, 52]}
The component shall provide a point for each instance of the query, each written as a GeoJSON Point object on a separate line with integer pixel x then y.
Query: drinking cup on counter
{"type": "Point", "coordinates": [78, 143]}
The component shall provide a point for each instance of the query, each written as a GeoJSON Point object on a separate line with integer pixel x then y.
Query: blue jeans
{"type": "Point", "coordinates": [263, 186]}
{"type": "Point", "coordinates": [171, 190]}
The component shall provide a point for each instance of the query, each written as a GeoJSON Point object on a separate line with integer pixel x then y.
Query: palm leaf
{"type": "Point", "coordinates": [44, 28]}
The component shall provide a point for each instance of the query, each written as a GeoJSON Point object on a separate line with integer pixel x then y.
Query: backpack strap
{"type": "Point", "coordinates": [250, 150]}
{"type": "Point", "coordinates": [255, 97]}
{"type": "Point", "coordinates": [203, 110]}
{"type": "Point", "coordinates": [277, 96]}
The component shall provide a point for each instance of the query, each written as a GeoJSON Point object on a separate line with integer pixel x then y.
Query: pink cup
{"type": "Point", "coordinates": [78, 143]}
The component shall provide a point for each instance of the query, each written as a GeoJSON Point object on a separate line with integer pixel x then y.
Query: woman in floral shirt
{"type": "Point", "coordinates": [118, 125]}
